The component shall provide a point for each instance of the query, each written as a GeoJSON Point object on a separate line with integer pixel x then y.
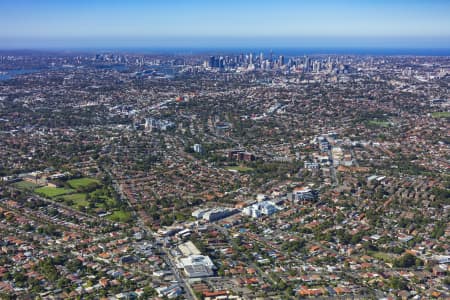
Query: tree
{"type": "Point", "coordinates": [48, 269]}
{"type": "Point", "coordinates": [148, 292]}
{"type": "Point", "coordinates": [221, 271]}
{"type": "Point", "coordinates": [355, 239]}
{"type": "Point", "coordinates": [19, 279]}
{"type": "Point", "coordinates": [291, 246]}
{"type": "Point", "coordinates": [439, 230]}
{"type": "Point", "coordinates": [398, 283]}
{"type": "Point", "coordinates": [407, 261]}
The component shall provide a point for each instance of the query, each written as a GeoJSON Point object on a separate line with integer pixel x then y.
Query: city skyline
{"type": "Point", "coordinates": [199, 24]}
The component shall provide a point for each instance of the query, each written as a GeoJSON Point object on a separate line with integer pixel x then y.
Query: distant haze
{"type": "Point", "coordinates": [381, 24]}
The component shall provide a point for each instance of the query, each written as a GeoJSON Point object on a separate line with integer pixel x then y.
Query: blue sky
{"type": "Point", "coordinates": [190, 23]}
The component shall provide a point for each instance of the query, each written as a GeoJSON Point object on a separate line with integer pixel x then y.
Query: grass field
{"type": "Point", "coordinates": [79, 200]}
{"type": "Point", "coordinates": [51, 192]}
{"type": "Point", "coordinates": [119, 216]}
{"type": "Point", "coordinates": [82, 182]}
{"type": "Point", "coordinates": [239, 169]}
{"type": "Point", "coordinates": [25, 185]}
{"type": "Point", "coordinates": [382, 256]}
{"type": "Point", "coordinates": [441, 114]}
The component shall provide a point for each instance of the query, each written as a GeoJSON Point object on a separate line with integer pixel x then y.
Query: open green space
{"type": "Point", "coordinates": [76, 200]}
{"type": "Point", "coordinates": [239, 168]}
{"type": "Point", "coordinates": [120, 216]}
{"type": "Point", "coordinates": [441, 114]}
{"type": "Point", "coordinates": [85, 194]}
{"type": "Point", "coordinates": [82, 182]}
{"type": "Point", "coordinates": [386, 257]}
{"type": "Point", "coordinates": [51, 192]}
{"type": "Point", "coordinates": [25, 185]}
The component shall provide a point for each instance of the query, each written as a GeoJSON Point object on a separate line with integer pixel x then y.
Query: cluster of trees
{"type": "Point", "coordinates": [442, 195]}
{"type": "Point", "coordinates": [407, 261]}
{"type": "Point", "coordinates": [439, 229]}
{"type": "Point", "coordinates": [48, 269]}
{"type": "Point", "coordinates": [50, 230]}
{"type": "Point", "coordinates": [398, 283]}
{"type": "Point", "coordinates": [92, 186]}
{"type": "Point", "coordinates": [201, 246]}
{"type": "Point", "coordinates": [346, 238]}
{"type": "Point", "coordinates": [293, 246]}
{"type": "Point", "coordinates": [270, 170]}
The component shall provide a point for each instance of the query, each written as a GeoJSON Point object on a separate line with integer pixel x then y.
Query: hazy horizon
{"type": "Point", "coordinates": [51, 24]}
{"type": "Point", "coordinates": [229, 42]}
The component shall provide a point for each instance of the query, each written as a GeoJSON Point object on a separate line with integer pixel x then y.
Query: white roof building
{"type": "Point", "coordinates": [197, 266]}
{"type": "Point", "coordinates": [261, 208]}
{"type": "Point", "coordinates": [193, 263]}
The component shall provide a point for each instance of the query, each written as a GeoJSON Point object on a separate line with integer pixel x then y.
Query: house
{"type": "Point", "coordinates": [439, 271]}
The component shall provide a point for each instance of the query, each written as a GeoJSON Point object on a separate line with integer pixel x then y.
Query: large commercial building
{"type": "Point", "coordinates": [241, 155]}
{"type": "Point", "coordinates": [214, 214]}
{"type": "Point", "coordinates": [188, 249]}
{"type": "Point", "coordinates": [261, 208]}
{"type": "Point", "coordinates": [196, 266]}
{"type": "Point", "coordinates": [303, 194]}
{"type": "Point", "coordinates": [152, 124]}
{"type": "Point", "coordinates": [193, 263]}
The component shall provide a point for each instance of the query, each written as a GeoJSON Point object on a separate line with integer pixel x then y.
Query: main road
{"type": "Point", "coordinates": [168, 259]}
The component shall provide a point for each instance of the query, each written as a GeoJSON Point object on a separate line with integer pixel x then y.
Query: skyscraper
{"type": "Point", "coordinates": [306, 64]}
{"type": "Point", "coordinates": [316, 66]}
{"type": "Point", "coordinates": [212, 60]}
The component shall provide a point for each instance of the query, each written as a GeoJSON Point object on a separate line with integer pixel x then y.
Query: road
{"type": "Point", "coordinates": [169, 260]}
{"type": "Point", "coordinates": [352, 152]}
{"type": "Point", "coordinates": [332, 169]}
